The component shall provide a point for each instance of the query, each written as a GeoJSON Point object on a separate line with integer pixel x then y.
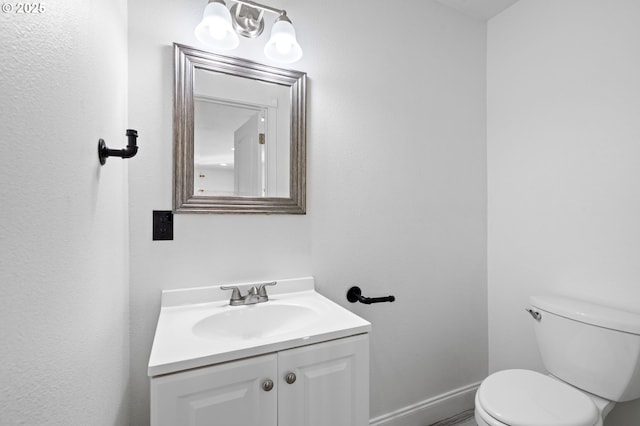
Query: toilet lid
{"type": "Point", "coordinates": [528, 398]}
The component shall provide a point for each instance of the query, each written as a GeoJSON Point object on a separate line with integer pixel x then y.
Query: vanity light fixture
{"type": "Point", "coordinates": [220, 28]}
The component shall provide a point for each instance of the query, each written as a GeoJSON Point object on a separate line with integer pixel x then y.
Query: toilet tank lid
{"type": "Point", "coordinates": [589, 313]}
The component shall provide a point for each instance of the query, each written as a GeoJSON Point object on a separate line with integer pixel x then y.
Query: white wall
{"type": "Point", "coordinates": [396, 188]}
{"type": "Point", "coordinates": [563, 175]}
{"type": "Point", "coordinates": [207, 249]}
{"type": "Point", "coordinates": [63, 234]}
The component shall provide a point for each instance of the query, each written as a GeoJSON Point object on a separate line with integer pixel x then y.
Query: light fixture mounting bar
{"type": "Point", "coordinates": [261, 6]}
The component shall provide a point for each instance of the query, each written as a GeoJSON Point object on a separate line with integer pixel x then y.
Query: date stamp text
{"type": "Point", "coordinates": [24, 8]}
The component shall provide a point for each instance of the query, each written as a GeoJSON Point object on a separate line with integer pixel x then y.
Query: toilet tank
{"type": "Point", "coordinates": [590, 346]}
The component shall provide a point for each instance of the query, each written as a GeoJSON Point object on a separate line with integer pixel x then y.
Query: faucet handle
{"type": "Point", "coordinates": [262, 291]}
{"type": "Point", "coordinates": [235, 296]}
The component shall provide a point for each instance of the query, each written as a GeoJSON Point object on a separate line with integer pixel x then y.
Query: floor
{"type": "Point", "coordinates": [463, 419]}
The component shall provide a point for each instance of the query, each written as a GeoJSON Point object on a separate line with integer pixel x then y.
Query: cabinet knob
{"type": "Point", "coordinates": [267, 385]}
{"type": "Point", "coordinates": [290, 378]}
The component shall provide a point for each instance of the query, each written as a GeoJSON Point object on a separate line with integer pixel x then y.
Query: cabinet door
{"type": "Point", "coordinates": [229, 394]}
{"type": "Point", "coordinates": [331, 384]}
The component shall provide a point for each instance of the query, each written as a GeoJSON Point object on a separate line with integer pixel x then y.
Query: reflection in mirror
{"type": "Point", "coordinates": [224, 132]}
{"type": "Point", "coordinates": [239, 135]}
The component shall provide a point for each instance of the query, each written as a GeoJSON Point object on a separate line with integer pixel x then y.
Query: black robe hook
{"type": "Point", "coordinates": [128, 152]}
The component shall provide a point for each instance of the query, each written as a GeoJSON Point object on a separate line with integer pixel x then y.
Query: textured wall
{"type": "Point", "coordinates": [396, 187]}
{"type": "Point", "coordinates": [563, 176]}
{"type": "Point", "coordinates": [63, 235]}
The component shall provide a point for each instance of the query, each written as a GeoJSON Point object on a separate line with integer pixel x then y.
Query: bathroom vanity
{"type": "Point", "coordinates": [298, 359]}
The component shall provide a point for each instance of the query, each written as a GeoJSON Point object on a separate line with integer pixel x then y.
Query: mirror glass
{"type": "Point", "coordinates": [239, 135]}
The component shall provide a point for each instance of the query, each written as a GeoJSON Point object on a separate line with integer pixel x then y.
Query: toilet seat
{"type": "Point", "coordinates": [483, 418]}
{"type": "Point", "coordinates": [529, 398]}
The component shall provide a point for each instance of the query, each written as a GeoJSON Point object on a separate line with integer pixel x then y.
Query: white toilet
{"type": "Point", "coordinates": [593, 355]}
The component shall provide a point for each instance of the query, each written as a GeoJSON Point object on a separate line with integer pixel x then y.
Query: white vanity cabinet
{"type": "Point", "coordinates": [315, 385]}
{"type": "Point", "coordinates": [297, 359]}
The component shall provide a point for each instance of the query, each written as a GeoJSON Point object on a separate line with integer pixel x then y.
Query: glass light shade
{"type": "Point", "coordinates": [283, 46]}
{"type": "Point", "coordinates": [215, 29]}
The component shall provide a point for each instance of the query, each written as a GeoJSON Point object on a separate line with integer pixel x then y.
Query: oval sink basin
{"type": "Point", "coordinates": [255, 321]}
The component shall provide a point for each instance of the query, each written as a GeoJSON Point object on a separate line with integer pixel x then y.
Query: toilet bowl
{"type": "Point", "coordinates": [592, 353]}
{"type": "Point", "coordinates": [529, 398]}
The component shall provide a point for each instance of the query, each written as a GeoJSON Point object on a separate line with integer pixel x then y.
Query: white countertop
{"type": "Point", "coordinates": [177, 347]}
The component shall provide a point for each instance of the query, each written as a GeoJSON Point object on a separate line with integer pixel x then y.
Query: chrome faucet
{"type": "Point", "coordinates": [256, 294]}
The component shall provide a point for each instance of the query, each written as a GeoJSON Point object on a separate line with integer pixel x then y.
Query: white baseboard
{"type": "Point", "coordinates": [430, 410]}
